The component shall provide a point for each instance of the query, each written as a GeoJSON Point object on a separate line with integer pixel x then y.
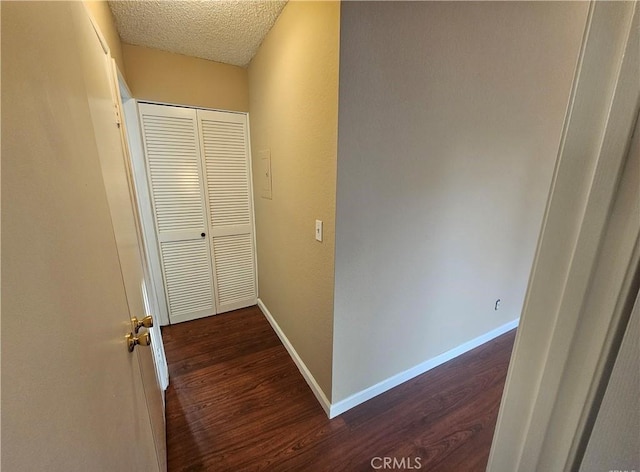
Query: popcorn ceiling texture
{"type": "Point", "coordinates": [228, 31]}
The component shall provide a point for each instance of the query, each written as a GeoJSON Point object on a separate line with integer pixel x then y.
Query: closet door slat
{"type": "Point", "coordinates": [172, 149]}
{"type": "Point", "coordinates": [225, 150]}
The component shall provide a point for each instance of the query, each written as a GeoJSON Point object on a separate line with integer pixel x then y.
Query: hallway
{"type": "Point", "coordinates": [236, 401]}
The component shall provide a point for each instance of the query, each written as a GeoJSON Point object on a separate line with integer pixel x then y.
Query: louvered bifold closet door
{"type": "Point", "coordinates": [174, 168]}
{"type": "Point", "coordinates": [225, 147]}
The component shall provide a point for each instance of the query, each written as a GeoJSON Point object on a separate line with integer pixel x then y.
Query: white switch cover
{"type": "Point", "coordinates": [318, 230]}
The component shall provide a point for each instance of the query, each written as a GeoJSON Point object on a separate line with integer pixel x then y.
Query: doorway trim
{"type": "Point", "coordinates": [543, 415]}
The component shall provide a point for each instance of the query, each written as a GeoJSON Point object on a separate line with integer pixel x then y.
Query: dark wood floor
{"type": "Point", "coordinates": [237, 402]}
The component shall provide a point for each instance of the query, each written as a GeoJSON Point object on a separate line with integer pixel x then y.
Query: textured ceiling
{"type": "Point", "coordinates": [228, 31]}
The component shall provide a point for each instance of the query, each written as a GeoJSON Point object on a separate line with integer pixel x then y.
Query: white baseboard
{"type": "Point", "coordinates": [381, 387]}
{"type": "Point", "coordinates": [315, 388]}
{"type": "Point", "coordinates": [335, 409]}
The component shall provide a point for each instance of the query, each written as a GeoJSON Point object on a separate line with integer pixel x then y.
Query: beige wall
{"type": "Point", "coordinates": [102, 15]}
{"type": "Point", "coordinates": [293, 88]}
{"type": "Point", "coordinates": [163, 76]}
{"type": "Point", "coordinates": [449, 128]}
{"type": "Point", "coordinates": [73, 399]}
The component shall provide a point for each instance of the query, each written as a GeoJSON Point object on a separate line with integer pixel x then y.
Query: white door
{"type": "Point", "coordinates": [153, 302]}
{"type": "Point", "coordinates": [199, 177]}
{"type": "Point", "coordinates": [102, 83]}
{"type": "Point", "coordinates": [175, 175]}
{"type": "Point", "coordinates": [224, 145]}
{"type": "Point", "coordinates": [73, 397]}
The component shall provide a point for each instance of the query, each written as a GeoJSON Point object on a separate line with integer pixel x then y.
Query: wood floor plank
{"type": "Point", "coordinates": [237, 402]}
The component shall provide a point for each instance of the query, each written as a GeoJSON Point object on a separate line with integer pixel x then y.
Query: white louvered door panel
{"type": "Point", "coordinates": [224, 144]}
{"type": "Point", "coordinates": [172, 149]}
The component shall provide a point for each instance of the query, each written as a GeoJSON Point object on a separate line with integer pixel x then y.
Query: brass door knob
{"type": "Point", "coordinates": [146, 322]}
{"type": "Point", "coordinates": [143, 339]}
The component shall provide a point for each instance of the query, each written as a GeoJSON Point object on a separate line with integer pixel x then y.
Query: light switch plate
{"type": "Point", "coordinates": [318, 230]}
